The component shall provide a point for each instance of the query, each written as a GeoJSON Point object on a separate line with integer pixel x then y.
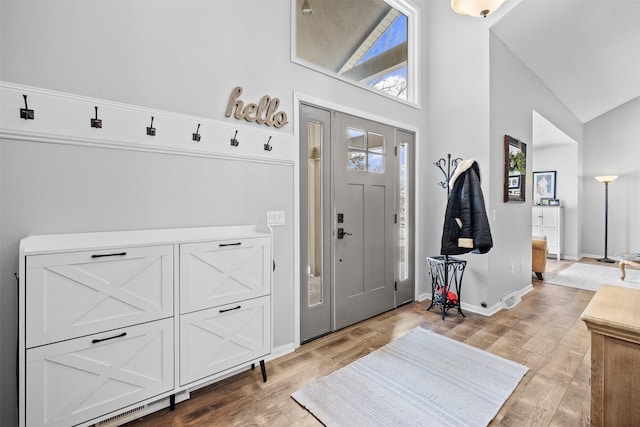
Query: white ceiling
{"type": "Point", "coordinates": [586, 51]}
{"type": "Point", "coordinates": [547, 134]}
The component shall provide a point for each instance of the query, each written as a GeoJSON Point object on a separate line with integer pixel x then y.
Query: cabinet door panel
{"type": "Point", "coordinates": [81, 293]}
{"type": "Point", "coordinates": [223, 337]}
{"type": "Point", "coordinates": [550, 217]}
{"type": "Point", "coordinates": [536, 216]}
{"type": "Point", "coordinates": [77, 380]}
{"type": "Point", "coordinates": [552, 239]}
{"type": "Point", "coordinates": [221, 272]}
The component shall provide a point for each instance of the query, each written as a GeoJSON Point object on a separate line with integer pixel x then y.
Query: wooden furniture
{"type": "Point", "coordinates": [628, 259]}
{"type": "Point", "coordinates": [613, 317]}
{"type": "Point", "coordinates": [112, 321]}
{"type": "Point", "coordinates": [539, 253]}
{"type": "Point", "coordinates": [547, 221]}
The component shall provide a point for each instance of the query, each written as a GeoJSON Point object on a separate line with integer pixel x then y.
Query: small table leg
{"type": "Point", "coordinates": [264, 371]}
{"type": "Point", "coordinates": [624, 262]}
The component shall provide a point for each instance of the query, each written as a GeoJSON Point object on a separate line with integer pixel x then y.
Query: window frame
{"type": "Point", "coordinates": [412, 12]}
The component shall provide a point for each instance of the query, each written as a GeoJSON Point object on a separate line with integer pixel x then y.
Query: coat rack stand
{"type": "Point", "coordinates": [446, 272]}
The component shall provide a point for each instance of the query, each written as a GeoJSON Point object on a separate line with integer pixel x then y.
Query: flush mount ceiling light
{"type": "Point", "coordinates": [475, 8]}
{"type": "Point", "coordinates": [306, 8]}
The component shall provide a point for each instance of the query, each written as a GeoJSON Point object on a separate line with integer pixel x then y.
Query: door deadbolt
{"type": "Point", "coordinates": [342, 233]}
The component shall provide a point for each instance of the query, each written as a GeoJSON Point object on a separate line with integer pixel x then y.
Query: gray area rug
{"type": "Point", "coordinates": [591, 277]}
{"type": "Point", "coordinates": [420, 379]}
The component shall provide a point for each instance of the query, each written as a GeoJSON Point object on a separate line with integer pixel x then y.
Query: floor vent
{"type": "Point", "coordinates": [511, 299]}
{"type": "Point", "coordinates": [141, 411]}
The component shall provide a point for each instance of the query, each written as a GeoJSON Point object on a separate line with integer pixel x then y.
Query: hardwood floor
{"type": "Point", "coordinates": [543, 332]}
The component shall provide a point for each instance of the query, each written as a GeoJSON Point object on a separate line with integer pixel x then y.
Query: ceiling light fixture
{"type": "Point", "coordinates": [306, 8]}
{"type": "Point", "coordinates": [475, 8]}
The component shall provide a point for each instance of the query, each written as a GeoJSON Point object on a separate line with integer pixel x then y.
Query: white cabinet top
{"type": "Point", "coordinates": [49, 243]}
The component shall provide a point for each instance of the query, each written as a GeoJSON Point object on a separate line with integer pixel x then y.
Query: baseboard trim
{"type": "Point", "coordinates": [489, 311]}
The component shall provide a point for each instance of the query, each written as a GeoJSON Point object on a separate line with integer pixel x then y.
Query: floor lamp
{"type": "Point", "coordinates": [606, 179]}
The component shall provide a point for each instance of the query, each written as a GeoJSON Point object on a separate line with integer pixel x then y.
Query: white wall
{"type": "Point", "coordinates": [478, 92]}
{"type": "Point", "coordinates": [611, 148]}
{"type": "Point", "coordinates": [181, 57]}
{"type": "Point", "coordinates": [515, 93]}
{"type": "Point", "coordinates": [564, 160]}
{"type": "Point", "coordinates": [185, 57]}
{"type": "Point", "coordinates": [458, 79]}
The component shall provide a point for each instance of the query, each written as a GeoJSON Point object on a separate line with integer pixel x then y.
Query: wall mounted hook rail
{"type": "Point", "coordinates": [234, 141]}
{"type": "Point", "coordinates": [268, 147]}
{"type": "Point", "coordinates": [26, 113]}
{"type": "Point", "coordinates": [151, 131]}
{"type": "Point", "coordinates": [196, 136]}
{"type": "Point", "coordinates": [96, 123]}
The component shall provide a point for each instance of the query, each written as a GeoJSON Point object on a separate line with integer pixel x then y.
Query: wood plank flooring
{"type": "Point", "coordinates": [543, 332]}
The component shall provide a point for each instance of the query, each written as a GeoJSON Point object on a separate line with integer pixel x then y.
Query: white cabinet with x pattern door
{"type": "Point", "coordinates": [98, 330]}
{"type": "Point", "coordinates": [114, 321]}
{"type": "Point", "coordinates": [225, 305]}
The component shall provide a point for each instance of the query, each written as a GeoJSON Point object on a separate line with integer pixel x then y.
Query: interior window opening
{"type": "Point", "coordinates": [367, 41]}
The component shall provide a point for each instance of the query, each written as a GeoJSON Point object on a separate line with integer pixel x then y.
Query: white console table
{"type": "Point", "coordinates": [111, 321]}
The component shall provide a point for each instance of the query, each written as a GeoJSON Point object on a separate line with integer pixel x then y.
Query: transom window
{"type": "Point", "coordinates": [369, 42]}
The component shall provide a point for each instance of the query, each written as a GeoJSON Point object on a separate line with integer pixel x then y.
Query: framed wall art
{"type": "Point", "coordinates": [515, 169]}
{"type": "Point", "coordinates": [544, 186]}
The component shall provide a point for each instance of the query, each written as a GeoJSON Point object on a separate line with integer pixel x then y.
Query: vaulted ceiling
{"type": "Point", "coordinates": [586, 51]}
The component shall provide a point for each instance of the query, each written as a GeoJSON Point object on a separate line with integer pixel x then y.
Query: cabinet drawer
{"type": "Point", "coordinates": [221, 272]}
{"type": "Point", "coordinates": [81, 293]}
{"type": "Point", "coordinates": [552, 238]}
{"type": "Point", "coordinates": [223, 337]}
{"type": "Point", "coordinates": [74, 381]}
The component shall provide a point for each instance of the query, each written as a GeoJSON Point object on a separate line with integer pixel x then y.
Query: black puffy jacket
{"type": "Point", "coordinates": [466, 227]}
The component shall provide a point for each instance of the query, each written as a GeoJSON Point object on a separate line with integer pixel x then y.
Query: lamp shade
{"type": "Point", "coordinates": [607, 178]}
{"type": "Point", "coordinates": [475, 8]}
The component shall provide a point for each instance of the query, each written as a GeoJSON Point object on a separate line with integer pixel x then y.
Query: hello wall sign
{"type": "Point", "coordinates": [265, 112]}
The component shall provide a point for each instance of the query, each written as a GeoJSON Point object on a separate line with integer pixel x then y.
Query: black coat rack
{"type": "Point", "coordinates": [446, 273]}
{"type": "Point", "coordinates": [448, 163]}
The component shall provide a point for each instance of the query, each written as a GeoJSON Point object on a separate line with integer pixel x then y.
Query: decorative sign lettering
{"type": "Point", "coordinates": [265, 112]}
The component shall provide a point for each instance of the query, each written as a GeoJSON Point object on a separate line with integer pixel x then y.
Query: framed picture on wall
{"type": "Point", "coordinates": [544, 186]}
{"type": "Point", "coordinates": [514, 181]}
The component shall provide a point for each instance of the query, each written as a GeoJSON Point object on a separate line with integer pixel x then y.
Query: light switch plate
{"type": "Point", "coordinates": [275, 218]}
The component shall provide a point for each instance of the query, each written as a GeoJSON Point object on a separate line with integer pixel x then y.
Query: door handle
{"type": "Point", "coordinates": [342, 233]}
